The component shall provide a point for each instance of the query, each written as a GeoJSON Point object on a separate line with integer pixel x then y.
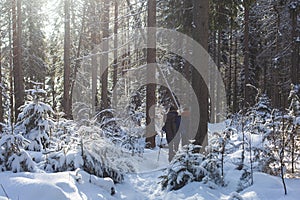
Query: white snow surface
{"type": "Point", "coordinates": [141, 185]}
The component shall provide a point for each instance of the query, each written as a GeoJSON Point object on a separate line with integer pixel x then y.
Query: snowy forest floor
{"type": "Point", "coordinates": [144, 184]}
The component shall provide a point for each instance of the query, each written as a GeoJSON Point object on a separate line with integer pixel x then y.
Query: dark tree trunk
{"type": "Point", "coordinates": [281, 154]}
{"type": "Point", "coordinates": [295, 48]}
{"type": "Point", "coordinates": [104, 62]}
{"type": "Point", "coordinates": [246, 52]}
{"type": "Point", "coordinates": [275, 88]}
{"type": "Point", "coordinates": [200, 34]}
{"type": "Point", "coordinates": [94, 38]}
{"type": "Point", "coordinates": [150, 90]}
{"type": "Point", "coordinates": [1, 89]}
{"type": "Point", "coordinates": [229, 81]}
{"type": "Point", "coordinates": [212, 78]}
{"type": "Point", "coordinates": [18, 73]}
{"type": "Point", "coordinates": [11, 84]}
{"type": "Point", "coordinates": [235, 75]}
{"type": "Point", "coordinates": [217, 99]}
{"type": "Point", "coordinates": [115, 66]}
{"type": "Point", "coordinates": [67, 46]}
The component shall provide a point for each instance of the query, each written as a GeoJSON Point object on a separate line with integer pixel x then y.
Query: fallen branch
{"type": "Point", "coordinates": [4, 191]}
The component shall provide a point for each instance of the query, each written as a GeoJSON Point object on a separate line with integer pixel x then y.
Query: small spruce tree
{"type": "Point", "coordinates": [188, 166]}
{"type": "Point", "coordinates": [13, 157]}
{"type": "Point", "coordinates": [34, 122]}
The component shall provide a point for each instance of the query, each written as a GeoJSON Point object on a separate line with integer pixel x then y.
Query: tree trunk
{"type": "Point", "coordinates": [275, 88]}
{"type": "Point", "coordinates": [1, 89]}
{"type": "Point", "coordinates": [200, 34]}
{"type": "Point", "coordinates": [67, 47]}
{"type": "Point", "coordinates": [94, 37]}
{"type": "Point", "coordinates": [19, 92]}
{"type": "Point", "coordinates": [281, 155]}
{"type": "Point", "coordinates": [104, 62]}
{"type": "Point", "coordinates": [219, 68]}
{"type": "Point", "coordinates": [115, 64]}
{"type": "Point", "coordinates": [11, 68]}
{"type": "Point", "coordinates": [78, 61]}
{"type": "Point", "coordinates": [150, 90]}
{"type": "Point", "coordinates": [295, 65]}
{"type": "Point", "coordinates": [293, 148]}
{"type": "Point", "coordinates": [212, 78]}
{"type": "Point", "coordinates": [229, 81]}
{"type": "Point", "coordinates": [246, 52]}
{"type": "Point", "coordinates": [235, 82]}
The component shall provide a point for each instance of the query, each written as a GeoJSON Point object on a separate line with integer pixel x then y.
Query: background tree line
{"type": "Point", "coordinates": [252, 42]}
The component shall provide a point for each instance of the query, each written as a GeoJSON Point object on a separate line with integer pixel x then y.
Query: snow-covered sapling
{"type": "Point", "coordinates": [13, 157]}
{"type": "Point", "coordinates": [33, 121]}
{"type": "Point", "coordinates": [188, 165]}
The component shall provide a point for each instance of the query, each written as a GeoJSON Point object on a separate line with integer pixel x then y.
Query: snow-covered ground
{"type": "Point", "coordinates": [144, 184]}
